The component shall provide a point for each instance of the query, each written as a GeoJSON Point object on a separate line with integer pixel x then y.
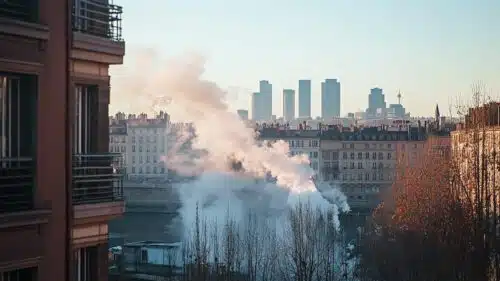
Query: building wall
{"type": "Point", "coordinates": [330, 99]}
{"type": "Point", "coordinates": [34, 53]}
{"type": "Point", "coordinates": [146, 147]}
{"type": "Point", "coordinates": [304, 98]}
{"type": "Point", "coordinates": [288, 104]}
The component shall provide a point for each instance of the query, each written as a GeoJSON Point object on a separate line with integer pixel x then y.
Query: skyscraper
{"type": "Point", "coordinates": [257, 106]}
{"type": "Point", "coordinates": [266, 90]}
{"type": "Point", "coordinates": [330, 99]}
{"type": "Point", "coordinates": [376, 103]}
{"type": "Point", "coordinates": [304, 98]}
{"type": "Point", "coordinates": [288, 104]}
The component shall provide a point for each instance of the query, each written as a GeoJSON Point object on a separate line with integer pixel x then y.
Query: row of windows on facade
{"type": "Point", "coordinates": [148, 170]}
{"type": "Point", "coordinates": [147, 130]}
{"type": "Point", "coordinates": [300, 143]}
{"type": "Point", "coordinates": [152, 139]}
{"type": "Point", "coordinates": [118, 149]}
{"type": "Point", "coordinates": [153, 158]}
{"type": "Point", "coordinates": [312, 154]}
{"type": "Point", "coordinates": [117, 139]}
{"type": "Point", "coordinates": [364, 189]}
{"type": "Point", "coordinates": [352, 165]}
{"type": "Point", "coordinates": [149, 149]}
{"type": "Point", "coordinates": [359, 177]}
{"type": "Point", "coordinates": [329, 155]}
{"type": "Point", "coordinates": [374, 145]}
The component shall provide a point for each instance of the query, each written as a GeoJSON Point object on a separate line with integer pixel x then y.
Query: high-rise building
{"type": "Point", "coordinates": [376, 103]}
{"type": "Point", "coordinates": [266, 90]}
{"type": "Point", "coordinates": [242, 113]}
{"type": "Point", "coordinates": [330, 99]}
{"type": "Point", "coordinates": [304, 98]}
{"type": "Point", "coordinates": [257, 110]}
{"type": "Point", "coordinates": [59, 184]}
{"type": "Point", "coordinates": [288, 104]}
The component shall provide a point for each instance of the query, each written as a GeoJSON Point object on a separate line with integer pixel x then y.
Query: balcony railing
{"type": "Point", "coordinates": [19, 9]}
{"type": "Point", "coordinates": [16, 184]}
{"type": "Point", "coordinates": [97, 178]}
{"type": "Point", "coordinates": [97, 18]}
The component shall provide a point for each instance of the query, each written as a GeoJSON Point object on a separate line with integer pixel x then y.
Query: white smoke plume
{"type": "Point", "coordinates": [178, 88]}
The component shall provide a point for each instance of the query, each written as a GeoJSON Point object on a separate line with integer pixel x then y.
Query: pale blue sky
{"type": "Point", "coordinates": [430, 49]}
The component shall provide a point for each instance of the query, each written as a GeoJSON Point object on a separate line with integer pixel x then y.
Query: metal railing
{"type": "Point", "coordinates": [17, 181]}
{"type": "Point", "coordinates": [19, 10]}
{"type": "Point", "coordinates": [98, 19]}
{"type": "Point", "coordinates": [97, 178]}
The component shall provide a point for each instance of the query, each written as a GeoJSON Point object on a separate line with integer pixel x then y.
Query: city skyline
{"type": "Point", "coordinates": [432, 52]}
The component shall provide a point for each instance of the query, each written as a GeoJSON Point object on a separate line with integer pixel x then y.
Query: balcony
{"type": "Point", "coordinates": [97, 178]}
{"type": "Point", "coordinates": [16, 184]}
{"type": "Point", "coordinates": [97, 29]}
{"type": "Point", "coordinates": [19, 10]}
{"type": "Point", "coordinates": [98, 19]}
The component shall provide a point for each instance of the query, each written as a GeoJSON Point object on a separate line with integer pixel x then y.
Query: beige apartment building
{"type": "Point", "coordinates": [363, 163]}
{"type": "Point", "coordinates": [475, 149]}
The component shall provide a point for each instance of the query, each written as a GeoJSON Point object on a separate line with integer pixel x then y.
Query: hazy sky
{"type": "Point", "coordinates": [431, 50]}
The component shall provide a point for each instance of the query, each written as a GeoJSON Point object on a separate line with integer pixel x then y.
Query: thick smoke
{"type": "Point", "coordinates": [220, 139]}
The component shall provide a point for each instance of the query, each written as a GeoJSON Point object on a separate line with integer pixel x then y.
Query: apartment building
{"type": "Point", "coordinates": [146, 148]}
{"type": "Point", "coordinates": [59, 185]}
{"type": "Point", "coordinates": [362, 162]}
{"type": "Point", "coordinates": [475, 149]}
{"type": "Point", "coordinates": [299, 142]}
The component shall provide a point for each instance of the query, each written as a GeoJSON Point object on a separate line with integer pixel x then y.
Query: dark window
{"type": "Point", "coordinates": [18, 103]}
{"type": "Point", "coordinates": [85, 264]}
{"type": "Point", "coordinates": [85, 132]}
{"type": "Point", "coordinates": [24, 274]}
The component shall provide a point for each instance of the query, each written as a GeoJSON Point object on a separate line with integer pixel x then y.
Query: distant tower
{"type": "Point", "coordinates": [437, 116]}
{"type": "Point", "coordinates": [399, 97]}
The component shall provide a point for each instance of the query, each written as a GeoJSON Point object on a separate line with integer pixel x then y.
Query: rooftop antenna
{"type": "Point", "coordinates": [399, 96]}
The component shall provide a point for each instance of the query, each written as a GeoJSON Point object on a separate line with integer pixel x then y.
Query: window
{"type": "Point", "coordinates": [360, 155]}
{"type": "Point", "coordinates": [85, 124]}
{"type": "Point", "coordinates": [133, 148]}
{"type": "Point", "coordinates": [374, 155]}
{"type": "Point", "coordinates": [133, 158]}
{"type": "Point", "coordinates": [367, 155]}
{"type": "Point", "coordinates": [389, 155]}
{"type": "Point", "coordinates": [344, 155]}
{"type": "Point", "coordinates": [85, 264]}
{"type": "Point", "coordinates": [140, 148]}
{"type": "Point", "coordinates": [335, 155]}
{"type": "Point", "coordinates": [24, 274]}
{"type": "Point", "coordinates": [352, 165]}
{"type": "Point", "coordinates": [352, 155]}
{"type": "Point", "coordinates": [315, 154]}
{"type": "Point", "coordinates": [389, 145]}
{"type": "Point", "coordinates": [133, 139]}
{"type": "Point", "coordinates": [380, 156]}
{"type": "Point", "coordinates": [133, 170]}
{"type": "Point", "coordinates": [360, 165]}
